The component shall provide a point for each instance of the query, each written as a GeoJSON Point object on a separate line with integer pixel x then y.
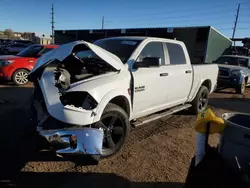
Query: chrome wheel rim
{"type": "Point", "coordinates": [21, 77]}
{"type": "Point", "coordinates": [203, 100]}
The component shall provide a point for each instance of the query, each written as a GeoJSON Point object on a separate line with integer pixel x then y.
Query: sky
{"type": "Point", "coordinates": [34, 15]}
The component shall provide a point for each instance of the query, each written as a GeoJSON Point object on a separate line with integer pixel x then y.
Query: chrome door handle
{"type": "Point", "coordinates": [164, 74]}
{"type": "Point", "coordinates": [188, 71]}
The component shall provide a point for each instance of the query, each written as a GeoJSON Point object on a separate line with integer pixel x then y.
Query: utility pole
{"type": "Point", "coordinates": [103, 22]}
{"type": "Point", "coordinates": [52, 23]}
{"type": "Point", "coordinates": [235, 22]}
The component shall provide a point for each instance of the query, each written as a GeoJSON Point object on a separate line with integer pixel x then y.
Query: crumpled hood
{"type": "Point", "coordinates": [65, 50]}
{"type": "Point", "coordinates": [231, 67]}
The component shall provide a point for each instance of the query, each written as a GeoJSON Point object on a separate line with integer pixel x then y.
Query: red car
{"type": "Point", "coordinates": [17, 67]}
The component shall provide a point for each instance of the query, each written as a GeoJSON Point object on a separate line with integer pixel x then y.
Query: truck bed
{"type": "Point", "coordinates": [202, 73]}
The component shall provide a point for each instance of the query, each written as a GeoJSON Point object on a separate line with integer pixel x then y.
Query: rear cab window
{"type": "Point", "coordinates": [175, 53]}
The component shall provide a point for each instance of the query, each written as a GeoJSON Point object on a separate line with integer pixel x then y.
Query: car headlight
{"type": "Point", "coordinates": [78, 99]}
{"type": "Point", "coordinates": [5, 62]}
{"type": "Point", "coordinates": [236, 72]}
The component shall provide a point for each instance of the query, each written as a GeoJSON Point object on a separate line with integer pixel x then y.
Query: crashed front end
{"type": "Point", "coordinates": [64, 116]}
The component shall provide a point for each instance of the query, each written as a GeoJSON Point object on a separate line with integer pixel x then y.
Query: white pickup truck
{"type": "Point", "coordinates": [82, 88]}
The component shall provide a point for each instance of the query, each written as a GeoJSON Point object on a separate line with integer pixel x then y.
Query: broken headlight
{"type": "Point", "coordinates": [78, 99]}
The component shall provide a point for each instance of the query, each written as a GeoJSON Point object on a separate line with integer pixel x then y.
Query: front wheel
{"type": "Point", "coordinates": [20, 77]}
{"type": "Point", "coordinates": [115, 124]}
{"type": "Point", "coordinates": [200, 101]}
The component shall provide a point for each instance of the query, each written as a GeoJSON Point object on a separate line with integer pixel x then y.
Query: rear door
{"type": "Point", "coordinates": [180, 74]}
{"type": "Point", "coordinates": [149, 89]}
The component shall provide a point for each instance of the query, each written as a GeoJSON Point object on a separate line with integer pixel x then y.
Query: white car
{"type": "Point", "coordinates": [113, 84]}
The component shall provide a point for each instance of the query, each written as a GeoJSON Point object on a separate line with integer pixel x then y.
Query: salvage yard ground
{"type": "Point", "coordinates": [156, 155]}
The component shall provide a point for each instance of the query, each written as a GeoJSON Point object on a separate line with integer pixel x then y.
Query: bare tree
{"type": "Point", "coordinates": [9, 33]}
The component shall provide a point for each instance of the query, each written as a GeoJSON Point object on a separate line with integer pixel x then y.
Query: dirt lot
{"type": "Point", "coordinates": [156, 155]}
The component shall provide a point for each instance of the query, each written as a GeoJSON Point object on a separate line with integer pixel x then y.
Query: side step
{"type": "Point", "coordinates": [156, 116]}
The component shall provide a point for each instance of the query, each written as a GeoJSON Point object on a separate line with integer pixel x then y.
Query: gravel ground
{"type": "Point", "coordinates": [156, 155]}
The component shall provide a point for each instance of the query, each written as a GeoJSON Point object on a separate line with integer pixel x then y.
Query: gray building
{"type": "Point", "coordinates": [205, 44]}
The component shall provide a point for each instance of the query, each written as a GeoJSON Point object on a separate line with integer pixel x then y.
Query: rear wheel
{"type": "Point", "coordinates": [115, 124]}
{"type": "Point", "coordinates": [241, 88]}
{"type": "Point", "coordinates": [20, 77]}
{"type": "Point", "coordinates": [200, 101]}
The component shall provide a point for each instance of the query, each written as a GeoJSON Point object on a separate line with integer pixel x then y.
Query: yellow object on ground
{"type": "Point", "coordinates": [216, 124]}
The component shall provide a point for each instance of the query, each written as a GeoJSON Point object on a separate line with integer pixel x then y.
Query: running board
{"type": "Point", "coordinates": [156, 116]}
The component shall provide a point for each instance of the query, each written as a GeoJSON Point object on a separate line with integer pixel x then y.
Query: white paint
{"type": "Point", "coordinates": [160, 92]}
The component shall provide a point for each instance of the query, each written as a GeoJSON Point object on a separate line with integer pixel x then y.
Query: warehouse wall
{"type": "Point", "coordinates": [62, 37]}
{"type": "Point", "coordinates": [216, 46]}
{"type": "Point", "coordinates": [195, 38]}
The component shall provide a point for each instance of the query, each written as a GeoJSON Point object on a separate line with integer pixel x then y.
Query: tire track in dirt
{"type": "Point", "coordinates": [155, 127]}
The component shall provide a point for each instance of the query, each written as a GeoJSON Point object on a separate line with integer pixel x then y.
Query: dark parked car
{"type": "Point", "coordinates": [234, 72]}
{"type": "Point", "coordinates": [13, 48]}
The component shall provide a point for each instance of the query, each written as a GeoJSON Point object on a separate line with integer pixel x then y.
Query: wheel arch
{"type": "Point", "coordinates": [117, 97]}
{"type": "Point", "coordinates": [195, 90]}
{"type": "Point", "coordinates": [18, 70]}
{"type": "Point", "coordinates": [208, 84]}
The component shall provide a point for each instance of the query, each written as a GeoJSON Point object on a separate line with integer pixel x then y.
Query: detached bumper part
{"type": "Point", "coordinates": [85, 141]}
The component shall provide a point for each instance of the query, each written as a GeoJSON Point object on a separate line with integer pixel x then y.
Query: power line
{"type": "Point", "coordinates": [185, 10]}
{"type": "Point", "coordinates": [187, 16]}
{"type": "Point", "coordinates": [237, 28]}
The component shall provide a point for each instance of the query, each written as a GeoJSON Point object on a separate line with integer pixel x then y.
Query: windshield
{"type": "Point", "coordinates": [31, 51]}
{"type": "Point", "coordinates": [243, 62]}
{"type": "Point", "coordinates": [122, 48]}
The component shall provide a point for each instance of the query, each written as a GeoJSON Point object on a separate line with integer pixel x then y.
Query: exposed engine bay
{"type": "Point", "coordinates": [79, 65]}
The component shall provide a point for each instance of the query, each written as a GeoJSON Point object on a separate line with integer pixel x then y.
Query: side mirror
{"type": "Point", "coordinates": [148, 62]}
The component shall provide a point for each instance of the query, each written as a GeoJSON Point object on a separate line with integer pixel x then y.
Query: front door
{"type": "Point", "coordinates": [149, 88]}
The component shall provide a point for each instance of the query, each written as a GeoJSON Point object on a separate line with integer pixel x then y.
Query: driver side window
{"type": "Point", "coordinates": [152, 49]}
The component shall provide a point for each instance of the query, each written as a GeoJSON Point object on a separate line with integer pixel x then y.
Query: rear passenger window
{"type": "Point", "coordinates": [176, 54]}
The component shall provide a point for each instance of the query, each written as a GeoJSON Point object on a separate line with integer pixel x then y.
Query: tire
{"type": "Point", "coordinates": [115, 123]}
{"type": "Point", "coordinates": [241, 88]}
{"type": "Point", "coordinates": [20, 77]}
{"type": "Point", "coordinates": [200, 101]}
